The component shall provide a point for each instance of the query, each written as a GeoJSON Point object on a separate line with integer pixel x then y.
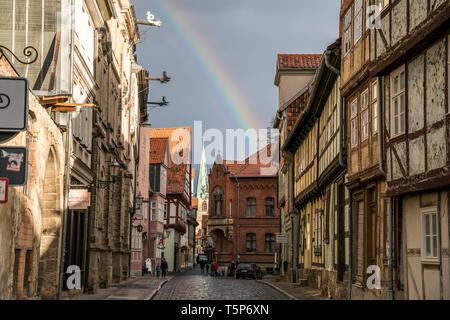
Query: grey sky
{"type": "Point", "coordinates": [245, 35]}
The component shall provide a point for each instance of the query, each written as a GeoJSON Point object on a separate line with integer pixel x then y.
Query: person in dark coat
{"type": "Point", "coordinates": [164, 267]}
{"type": "Point", "coordinates": [207, 267]}
{"type": "Point", "coordinates": [202, 266]}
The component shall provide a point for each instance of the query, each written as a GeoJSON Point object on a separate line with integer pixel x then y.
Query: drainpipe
{"type": "Point", "coordinates": [391, 248]}
{"type": "Point", "coordinates": [350, 249]}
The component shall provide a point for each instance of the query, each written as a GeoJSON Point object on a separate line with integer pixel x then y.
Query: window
{"type": "Point", "coordinates": [375, 107]}
{"type": "Point", "coordinates": [348, 32]}
{"type": "Point", "coordinates": [365, 115]}
{"type": "Point", "coordinates": [270, 207]}
{"type": "Point", "coordinates": [398, 102]}
{"type": "Point", "coordinates": [165, 210]}
{"type": "Point", "coordinates": [358, 19]}
{"type": "Point", "coordinates": [251, 207]}
{"type": "Point", "coordinates": [382, 4]}
{"type": "Point", "coordinates": [269, 243]}
{"type": "Point", "coordinates": [155, 176]}
{"type": "Point", "coordinates": [251, 242]}
{"type": "Point", "coordinates": [354, 123]}
{"type": "Point", "coordinates": [204, 206]}
{"type": "Point", "coordinates": [318, 231]}
{"type": "Point", "coordinates": [231, 208]}
{"type": "Point", "coordinates": [430, 240]}
{"type": "Point", "coordinates": [153, 211]}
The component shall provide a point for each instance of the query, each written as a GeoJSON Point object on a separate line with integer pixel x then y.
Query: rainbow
{"type": "Point", "coordinates": [225, 85]}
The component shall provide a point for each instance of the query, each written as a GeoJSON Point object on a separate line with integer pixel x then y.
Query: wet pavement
{"type": "Point", "coordinates": [191, 285]}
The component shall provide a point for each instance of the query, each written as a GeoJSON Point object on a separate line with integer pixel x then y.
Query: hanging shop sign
{"type": "Point", "coordinates": [13, 165]}
{"type": "Point", "coordinates": [3, 190]}
{"type": "Point", "coordinates": [13, 104]}
{"type": "Point", "coordinates": [79, 199]}
{"type": "Point", "coordinates": [281, 238]}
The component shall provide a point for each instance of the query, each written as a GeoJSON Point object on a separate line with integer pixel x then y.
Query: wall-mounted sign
{"type": "Point", "coordinates": [281, 238]}
{"type": "Point", "coordinates": [13, 165]}
{"type": "Point", "coordinates": [3, 190]}
{"type": "Point", "coordinates": [79, 199]}
{"type": "Point", "coordinates": [13, 104]}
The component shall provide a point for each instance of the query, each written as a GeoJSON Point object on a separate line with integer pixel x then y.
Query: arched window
{"type": "Point", "coordinates": [270, 243]}
{"type": "Point", "coordinates": [204, 206]}
{"type": "Point", "coordinates": [251, 242]}
{"type": "Point", "coordinates": [270, 207]}
{"type": "Point", "coordinates": [251, 207]}
{"type": "Point", "coordinates": [217, 196]}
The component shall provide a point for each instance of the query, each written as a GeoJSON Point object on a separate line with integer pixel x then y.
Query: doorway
{"type": "Point", "coordinates": [341, 233]}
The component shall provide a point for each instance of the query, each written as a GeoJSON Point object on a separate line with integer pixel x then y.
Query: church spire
{"type": "Point", "coordinates": [202, 184]}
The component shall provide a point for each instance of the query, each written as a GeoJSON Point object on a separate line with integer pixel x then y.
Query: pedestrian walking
{"type": "Point", "coordinates": [212, 269]}
{"type": "Point", "coordinates": [158, 270]}
{"type": "Point", "coordinates": [164, 267]}
{"type": "Point", "coordinates": [202, 267]}
{"type": "Point", "coordinates": [207, 268]}
{"type": "Point", "coordinates": [216, 268]}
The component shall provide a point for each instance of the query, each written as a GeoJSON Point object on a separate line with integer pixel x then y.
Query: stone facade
{"type": "Point", "coordinates": [31, 220]}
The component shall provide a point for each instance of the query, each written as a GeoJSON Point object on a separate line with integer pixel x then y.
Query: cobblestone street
{"type": "Point", "coordinates": [192, 285]}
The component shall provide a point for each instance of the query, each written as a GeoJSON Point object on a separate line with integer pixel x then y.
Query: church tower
{"type": "Point", "coordinates": [202, 195]}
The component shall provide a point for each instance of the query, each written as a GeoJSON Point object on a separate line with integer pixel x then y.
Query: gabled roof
{"type": "Point", "coordinates": [298, 61]}
{"type": "Point", "coordinates": [158, 147]}
{"type": "Point", "coordinates": [176, 176]}
{"type": "Point", "coordinates": [257, 165]}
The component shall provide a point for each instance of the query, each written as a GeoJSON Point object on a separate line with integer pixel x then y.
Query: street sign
{"type": "Point", "coordinates": [281, 237]}
{"type": "Point", "coordinates": [13, 165]}
{"type": "Point", "coordinates": [13, 104]}
{"type": "Point", "coordinates": [3, 190]}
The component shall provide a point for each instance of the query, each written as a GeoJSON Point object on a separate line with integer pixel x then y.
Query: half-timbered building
{"type": "Point", "coordinates": [317, 142]}
{"type": "Point", "coordinates": [366, 173]}
{"type": "Point", "coordinates": [294, 76]}
{"type": "Point", "coordinates": [410, 53]}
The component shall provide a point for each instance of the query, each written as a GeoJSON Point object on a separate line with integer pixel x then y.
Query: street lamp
{"type": "Point", "coordinates": [114, 167]}
{"type": "Point", "coordinates": [139, 201]}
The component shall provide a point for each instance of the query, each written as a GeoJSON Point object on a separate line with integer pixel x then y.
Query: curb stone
{"type": "Point", "coordinates": [159, 288]}
{"type": "Point", "coordinates": [291, 297]}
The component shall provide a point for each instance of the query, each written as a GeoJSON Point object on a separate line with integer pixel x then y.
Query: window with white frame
{"type": "Point", "coordinates": [374, 107]}
{"type": "Point", "coordinates": [382, 4]}
{"type": "Point", "coordinates": [365, 115]}
{"type": "Point", "coordinates": [354, 123]}
{"type": "Point", "coordinates": [398, 101]}
{"type": "Point", "coordinates": [348, 31]}
{"type": "Point", "coordinates": [358, 20]}
{"type": "Point", "coordinates": [430, 234]}
{"type": "Point", "coordinates": [153, 211]}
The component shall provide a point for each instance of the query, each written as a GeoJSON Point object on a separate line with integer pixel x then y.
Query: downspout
{"type": "Point", "coordinates": [391, 248]}
{"type": "Point", "coordinates": [350, 249]}
{"type": "Point", "coordinates": [68, 158]}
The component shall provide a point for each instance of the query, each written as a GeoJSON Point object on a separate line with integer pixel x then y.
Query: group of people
{"type": "Point", "coordinates": [214, 266]}
{"type": "Point", "coordinates": [160, 269]}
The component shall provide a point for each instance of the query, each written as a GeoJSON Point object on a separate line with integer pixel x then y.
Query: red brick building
{"type": "Point", "coordinates": [255, 217]}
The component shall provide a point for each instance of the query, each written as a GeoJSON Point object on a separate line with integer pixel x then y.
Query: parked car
{"type": "Point", "coordinates": [248, 270]}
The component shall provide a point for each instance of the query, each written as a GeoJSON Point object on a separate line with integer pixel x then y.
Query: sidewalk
{"type": "Point", "coordinates": [293, 293]}
{"type": "Point", "coordinates": [140, 288]}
